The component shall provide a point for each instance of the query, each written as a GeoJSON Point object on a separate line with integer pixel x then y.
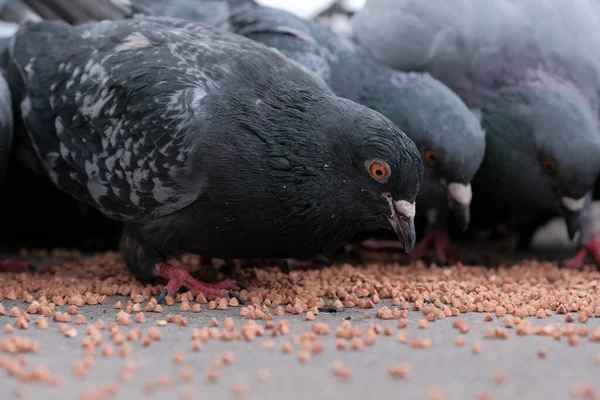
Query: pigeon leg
{"type": "Point", "coordinates": [177, 277]}
{"type": "Point", "coordinates": [590, 247]}
{"type": "Point", "coordinates": [577, 261]}
{"type": "Point", "coordinates": [16, 266]}
{"type": "Point", "coordinates": [441, 244]}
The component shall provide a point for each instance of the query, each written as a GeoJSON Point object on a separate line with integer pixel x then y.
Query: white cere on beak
{"type": "Point", "coordinates": [405, 208]}
{"type": "Point", "coordinates": [462, 194]}
{"type": "Point", "coordinates": [573, 205]}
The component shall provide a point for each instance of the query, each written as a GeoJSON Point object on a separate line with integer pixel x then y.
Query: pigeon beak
{"type": "Point", "coordinates": [571, 209]}
{"type": "Point", "coordinates": [459, 202]}
{"type": "Point", "coordinates": [402, 220]}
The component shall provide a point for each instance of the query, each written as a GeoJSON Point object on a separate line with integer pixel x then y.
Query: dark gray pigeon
{"type": "Point", "coordinates": [447, 133]}
{"type": "Point", "coordinates": [7, 30]}
{"type": "Point", "coordinates": [6, 112]}
{"type": "Point", "coordinates": [202, 141]}
{"type": "Point", "coordinates": [533, 68]}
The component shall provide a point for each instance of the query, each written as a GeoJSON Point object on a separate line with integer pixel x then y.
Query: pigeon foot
{"type": "Point", "coordinates": [442, 246]}
{"type": "Point", "coordinates": [591, 248]}
{"type": "Point", "coordinates": [177, 277]}
{"type": "Point", "coordinates": [16, 266]}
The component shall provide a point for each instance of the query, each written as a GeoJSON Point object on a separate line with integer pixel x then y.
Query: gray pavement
{"type": "Point", "coordinates": [457, 371]}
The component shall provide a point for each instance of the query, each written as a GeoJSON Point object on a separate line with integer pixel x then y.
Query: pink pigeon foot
{"type": "Point", "coordinates": [177, 277]}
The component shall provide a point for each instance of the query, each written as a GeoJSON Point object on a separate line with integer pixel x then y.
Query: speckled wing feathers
{"type": "Point", "coordinates": [111, 108]}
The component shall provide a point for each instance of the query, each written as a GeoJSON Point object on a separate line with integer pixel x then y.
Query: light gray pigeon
{"type": "Point", "coordinates": [447, 133]}
{"type": "Point", "coordinates": [533, 68]}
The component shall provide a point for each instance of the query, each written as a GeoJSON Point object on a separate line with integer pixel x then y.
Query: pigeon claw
{"type": "Point", "coordinates": [17, 266]}
{"type": "Point", "coordinates": [441, 244]}
{"type": "Point", "coordinates": [238, 297]}
{"type": "Point", "coordinates": [177, 277]}
{"type": "Point", "coordinates": [591, 248]}
{"type": "Point", "coordinates": [163, 293]}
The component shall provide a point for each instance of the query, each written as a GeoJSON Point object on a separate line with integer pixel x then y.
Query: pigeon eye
{"type": "Point", "coordinates": [431, 156]}
{"type": "Point", "coordinates": [549, 166]}
{"type": "Point", "coordinates": [378, 170]}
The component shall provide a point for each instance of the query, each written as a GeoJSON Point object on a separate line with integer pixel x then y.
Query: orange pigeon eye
{"type": "Point", "coordinates": [379, 170]}
{"type": "Point", "coordinates": [431, 157]}
{"type": "Point", "coordinates": [549, 166]}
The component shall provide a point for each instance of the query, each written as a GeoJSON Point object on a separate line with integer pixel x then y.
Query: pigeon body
{"type": "Point", "coordinates": [199, 140]}
{"type": "Point", "coordinates": [533, 69]}
{"type": "Point", "coordinates": [447, 133]}
{"type": "Point", "coordinates": [6, 111]}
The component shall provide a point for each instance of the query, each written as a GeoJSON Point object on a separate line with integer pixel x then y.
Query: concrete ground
{"type": "Point", "coordinates": [457, 372]}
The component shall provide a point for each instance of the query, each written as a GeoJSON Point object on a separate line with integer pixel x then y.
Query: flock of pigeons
{"type": "Point", "coordinates": [238, 131]}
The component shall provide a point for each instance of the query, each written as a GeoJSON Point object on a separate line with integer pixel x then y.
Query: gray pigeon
{"type": "Point", "coordinates": [200, 140]}
{"type": "Point", "coordinates": [447, 133]}
{"type": "Point", "coordinates": [7, 30]}
{"type": "Point", "coordinates": [6, 112]}
{"type": "Point", "coordinates": [533, 68]}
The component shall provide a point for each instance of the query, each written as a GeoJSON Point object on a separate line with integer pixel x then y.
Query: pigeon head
{"type": "Point", "coordinates": [446, 132]}
{"type": "Point", "coordinates": [329, 168]}
{"type": "Point", "coordinates": [543, 141]}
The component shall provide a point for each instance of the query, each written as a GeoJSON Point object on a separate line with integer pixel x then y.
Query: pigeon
{"type": "Point", "coordinates": [6, 111]}
{"type": "Point", "coordinates": [447, 133]}
{"type": "Point", "coordinates": [25, 222]}
{"type": "Point", "coordinates": [201, 141]}
{"type": "Point", "coordinates": [533, 69]}
{"type": "Point", "coordinates": [7, 29]}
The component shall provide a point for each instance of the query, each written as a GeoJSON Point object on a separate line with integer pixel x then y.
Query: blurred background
{"type": "Point", "coordinates": [29, 222]}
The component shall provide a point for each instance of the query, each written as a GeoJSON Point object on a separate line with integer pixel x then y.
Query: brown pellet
{"type": "Point", "coordinates": [187, 374]}
{"type": "Point", "coordinates": [499, 378]}
{"type": "Point", "coordinates": [573, 340]}
{"type": "Point", "coordinates": [340, 370]}
{"type": "Point", "coordinates": [569, 318]}
{"type": "Point", "coordinates": [263, 375]}
{"type": "Point", "coordinates": [304, 356]}
{"type": "Point", "coordinates": [228, 357]}
{"type": "Point", "coordinates": [239, 390]}
{"type": "Point", "coordinates": [399, 371]}
{"type": "Point", "coordinates": [178, 358]}
{"type": "Point", "coordinates": [15, 312]}
{"type": "Point", "coordinates": [41, 322]}
{"type": "Point", "coordinates": [267, 345]}
{"type": "Point", "coordinates": [435, 393]}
